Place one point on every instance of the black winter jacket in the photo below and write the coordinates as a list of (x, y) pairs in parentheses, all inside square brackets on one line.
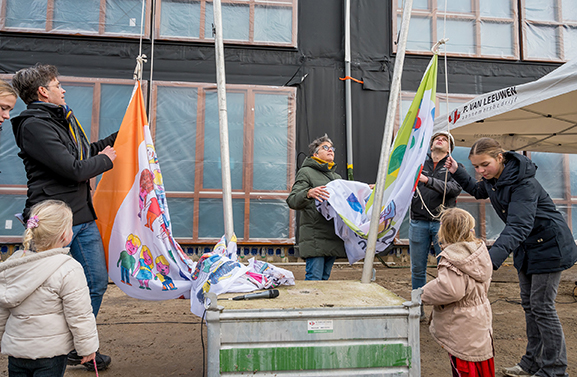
[(50, 158), (433, 191), (534, 230)]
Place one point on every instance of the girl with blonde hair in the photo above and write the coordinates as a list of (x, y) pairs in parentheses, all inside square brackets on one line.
[(145, 266), (45, 294), (8, 97), (540, 240), (461, 319)]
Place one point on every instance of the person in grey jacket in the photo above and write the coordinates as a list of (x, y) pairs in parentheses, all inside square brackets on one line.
[(45, 309), (540, 240), (318, 243)]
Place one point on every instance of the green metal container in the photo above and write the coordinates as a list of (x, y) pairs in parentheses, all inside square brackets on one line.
[(327, 328)]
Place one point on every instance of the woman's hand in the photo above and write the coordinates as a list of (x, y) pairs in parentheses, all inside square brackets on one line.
[(319, 193), (451, 164), (109, 152), (88, 358)]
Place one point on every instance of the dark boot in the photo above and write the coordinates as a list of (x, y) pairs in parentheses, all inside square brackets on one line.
[(102, 362), (73, 358)]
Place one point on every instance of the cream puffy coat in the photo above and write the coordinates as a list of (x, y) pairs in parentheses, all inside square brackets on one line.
[(45, 308), (462, 319)]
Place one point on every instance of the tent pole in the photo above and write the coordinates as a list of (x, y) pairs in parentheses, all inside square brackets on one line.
[(223, 122), (386, 146), (348, 100)]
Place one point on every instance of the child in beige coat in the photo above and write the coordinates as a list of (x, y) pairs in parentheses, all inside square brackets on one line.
[(462, 319), (45, 309)]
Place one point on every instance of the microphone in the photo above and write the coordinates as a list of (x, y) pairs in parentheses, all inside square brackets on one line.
[(271, 293)]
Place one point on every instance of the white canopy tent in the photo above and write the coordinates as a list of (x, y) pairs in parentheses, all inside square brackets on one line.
[(537, 116)]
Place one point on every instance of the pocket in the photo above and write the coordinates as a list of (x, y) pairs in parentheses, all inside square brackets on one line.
[(542, 250)]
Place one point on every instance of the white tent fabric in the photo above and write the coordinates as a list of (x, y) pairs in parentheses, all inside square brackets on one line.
[(537, 116)]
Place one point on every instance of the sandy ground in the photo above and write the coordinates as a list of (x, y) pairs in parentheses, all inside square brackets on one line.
[(148, 338)]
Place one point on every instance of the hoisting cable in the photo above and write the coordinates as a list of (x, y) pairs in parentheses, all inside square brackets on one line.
[(141, 58), (435, 50)]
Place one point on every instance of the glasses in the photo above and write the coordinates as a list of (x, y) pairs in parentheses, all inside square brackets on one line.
[(58, 86), (327, 148)]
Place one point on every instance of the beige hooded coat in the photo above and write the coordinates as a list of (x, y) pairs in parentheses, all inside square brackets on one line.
[(45, 306), (462, 319)]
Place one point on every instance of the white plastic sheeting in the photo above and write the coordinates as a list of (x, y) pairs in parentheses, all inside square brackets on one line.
[(263, 23), (490, 28)]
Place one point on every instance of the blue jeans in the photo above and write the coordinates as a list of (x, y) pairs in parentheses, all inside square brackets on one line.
[(125, 275), (319, 268), (421, 234), (546, 354), (86, 247), (49, 367)]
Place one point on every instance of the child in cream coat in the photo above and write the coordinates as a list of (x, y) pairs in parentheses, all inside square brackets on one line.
[(45, 309)]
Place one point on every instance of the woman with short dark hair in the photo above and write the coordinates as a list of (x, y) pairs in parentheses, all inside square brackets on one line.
[(318, 243)]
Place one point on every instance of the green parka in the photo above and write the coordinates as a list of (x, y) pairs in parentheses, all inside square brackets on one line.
[(317, 236)]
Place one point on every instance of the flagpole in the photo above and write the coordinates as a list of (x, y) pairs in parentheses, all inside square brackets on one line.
[(348, 100), (386, 145), (223, 123)]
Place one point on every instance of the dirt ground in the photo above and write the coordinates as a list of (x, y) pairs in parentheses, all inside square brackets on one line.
[(146, 338)]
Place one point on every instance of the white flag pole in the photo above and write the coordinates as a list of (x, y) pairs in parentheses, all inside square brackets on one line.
[(348, 95), (386, 146), (223, 123)]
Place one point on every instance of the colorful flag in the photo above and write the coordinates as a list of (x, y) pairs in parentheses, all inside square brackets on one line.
[(351, 203), (143, 258), (220, 272)]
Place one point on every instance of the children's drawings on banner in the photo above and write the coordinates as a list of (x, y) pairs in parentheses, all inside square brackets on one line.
[(219, 272)]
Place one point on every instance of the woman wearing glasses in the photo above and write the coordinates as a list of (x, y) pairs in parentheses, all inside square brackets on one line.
[(318, 243)]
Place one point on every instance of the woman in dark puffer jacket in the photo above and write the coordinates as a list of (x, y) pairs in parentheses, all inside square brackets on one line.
[(541, 242)]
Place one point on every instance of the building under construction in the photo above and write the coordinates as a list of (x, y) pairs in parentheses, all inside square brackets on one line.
[(286, 85)]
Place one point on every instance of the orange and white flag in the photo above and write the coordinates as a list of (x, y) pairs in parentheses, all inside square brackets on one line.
[(143, 258)]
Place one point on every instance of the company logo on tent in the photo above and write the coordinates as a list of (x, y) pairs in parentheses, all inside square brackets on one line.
[(454, 116)]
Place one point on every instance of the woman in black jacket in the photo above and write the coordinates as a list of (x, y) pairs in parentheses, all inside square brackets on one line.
[(541, 243)]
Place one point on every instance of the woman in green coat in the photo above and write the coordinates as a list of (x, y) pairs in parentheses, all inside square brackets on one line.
[(318, 243)]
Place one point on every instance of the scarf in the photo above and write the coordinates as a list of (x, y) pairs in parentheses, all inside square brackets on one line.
[(321, 161), (78, 134)]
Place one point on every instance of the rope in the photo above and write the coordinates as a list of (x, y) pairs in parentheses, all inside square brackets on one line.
[(435, 50), (152, 45), (422, 201), (141, 27), (444, 42), (141, 58), (151, 63)]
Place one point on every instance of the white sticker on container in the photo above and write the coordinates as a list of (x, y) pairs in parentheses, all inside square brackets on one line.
[(8, 224), (132, 22), (319, 326)]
